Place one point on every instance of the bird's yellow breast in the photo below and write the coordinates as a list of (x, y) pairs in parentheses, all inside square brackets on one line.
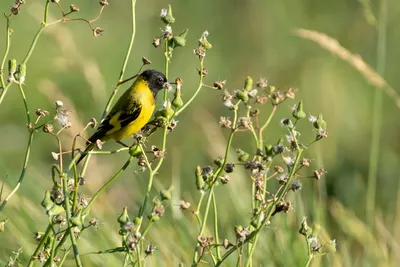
[(140, 94)]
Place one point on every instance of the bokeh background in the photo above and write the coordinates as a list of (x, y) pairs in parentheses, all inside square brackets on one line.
[(249, 38)]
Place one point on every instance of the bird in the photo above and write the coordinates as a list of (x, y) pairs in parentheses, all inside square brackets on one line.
[(131, 112)]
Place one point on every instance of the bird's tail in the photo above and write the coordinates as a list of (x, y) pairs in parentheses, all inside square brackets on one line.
[(83, 155)]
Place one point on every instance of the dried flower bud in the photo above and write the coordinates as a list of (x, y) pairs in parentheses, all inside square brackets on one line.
[(225, 122), (97, 31), (93, 122), (200, 52), (3, 225), (262, 83), (279, 169), (104, 3), (296, 185), (54, 155), (290, 93), (145, 61), (149, 250), (99, 144), (73, 8), (156, 42), (15, 9), (227, 244), (225, 179), (254, 112), (48, 128), (229, 167), (219, 84), (184, 205), (319, 173), (41, 112), (158, 212)]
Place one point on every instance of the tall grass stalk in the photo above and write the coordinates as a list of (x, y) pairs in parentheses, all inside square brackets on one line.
[(377, 115)]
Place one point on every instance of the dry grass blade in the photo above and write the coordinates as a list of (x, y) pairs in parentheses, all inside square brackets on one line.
[(354, 60), (354, 228)]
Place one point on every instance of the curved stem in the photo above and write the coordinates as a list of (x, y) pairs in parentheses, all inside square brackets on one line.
[(38, 33), (6, 50), (125, 63), (196, 92), (68, 217), (27, 153)]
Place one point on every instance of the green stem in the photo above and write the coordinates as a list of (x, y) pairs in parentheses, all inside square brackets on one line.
[(197, 91), (271, 210), (38, 33), (7, 49), (275, 107), (27, 154), (106, 185), (197, 211), (377, 116), (203, 226), (125, 63), (68, 217), (149, 185), (310, 258), (40, 245), (214, 178), (216, 233)]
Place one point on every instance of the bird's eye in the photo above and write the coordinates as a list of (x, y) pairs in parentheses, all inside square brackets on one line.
[(160, 80)]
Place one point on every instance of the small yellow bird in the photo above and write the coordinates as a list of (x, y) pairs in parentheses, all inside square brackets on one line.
[(132, 110)]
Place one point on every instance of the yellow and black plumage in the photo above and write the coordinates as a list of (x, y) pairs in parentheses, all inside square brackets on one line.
[(132, 110)]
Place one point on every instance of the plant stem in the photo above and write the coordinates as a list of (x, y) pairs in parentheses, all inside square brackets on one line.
[(196, 92), (27, 153), (6, 50), (260, 133), (40, 245), (271, 210), (108, 183), (68, 218), (216, 234), (377, 116), (203, 226), (125, 63)]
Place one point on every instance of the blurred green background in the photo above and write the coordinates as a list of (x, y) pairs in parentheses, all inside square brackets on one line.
[(249, 38)]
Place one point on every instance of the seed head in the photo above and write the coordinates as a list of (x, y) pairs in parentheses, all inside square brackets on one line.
[(97, 31), (219, 84), (184, 205), (73, 8)]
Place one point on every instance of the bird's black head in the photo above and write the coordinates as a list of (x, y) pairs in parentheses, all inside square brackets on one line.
[(155, 79)]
